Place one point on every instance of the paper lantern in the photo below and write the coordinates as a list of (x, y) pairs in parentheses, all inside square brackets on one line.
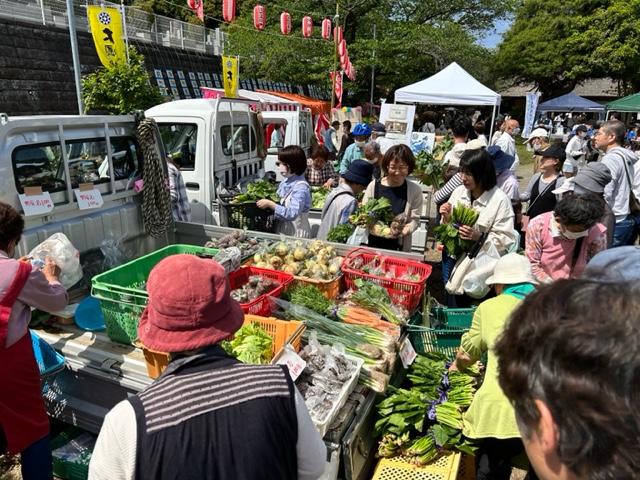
[(342, 46), (259, 17), (337, 35), (192, 4), (326, 28), (228, 10), (285, 23), (307, 26)]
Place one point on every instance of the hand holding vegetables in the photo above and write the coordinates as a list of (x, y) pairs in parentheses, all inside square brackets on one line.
[(256, 191), (456, 233), (264, 203), (375, 210)]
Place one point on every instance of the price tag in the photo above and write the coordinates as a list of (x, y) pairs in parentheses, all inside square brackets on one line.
[(35, 203), (88, 199), (294, 363), (407, 353)]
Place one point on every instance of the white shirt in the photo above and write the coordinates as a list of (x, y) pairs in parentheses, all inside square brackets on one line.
[(576, 148), (508, 145), (453, 155), (277, 139), (114, 456), (385, 144), (496, 215)]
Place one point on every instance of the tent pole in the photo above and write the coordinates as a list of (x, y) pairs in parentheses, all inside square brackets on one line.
[(493, 122)]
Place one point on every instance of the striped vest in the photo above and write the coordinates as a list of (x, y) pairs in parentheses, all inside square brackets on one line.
[(212, 417)]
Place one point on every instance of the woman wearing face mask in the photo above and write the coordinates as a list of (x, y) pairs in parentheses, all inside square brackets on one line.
[(559, 244), (405, 197), (361, 133), (539, 140), (292, 212)]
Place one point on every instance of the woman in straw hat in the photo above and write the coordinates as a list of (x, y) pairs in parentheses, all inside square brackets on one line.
[(491, 417)]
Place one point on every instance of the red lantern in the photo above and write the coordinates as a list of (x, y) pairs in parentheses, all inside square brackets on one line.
[(326, 28), (228, 10), (337, 35), (192, 4), (285, 23), (307, 26), (342, 46), (259, 17)]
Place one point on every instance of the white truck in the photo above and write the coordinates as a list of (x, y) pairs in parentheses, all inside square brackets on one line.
[(56, 154)]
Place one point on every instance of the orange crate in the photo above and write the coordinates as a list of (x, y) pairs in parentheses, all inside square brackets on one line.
[(404, 292), (282, 332), (331, 289), (261, 305)]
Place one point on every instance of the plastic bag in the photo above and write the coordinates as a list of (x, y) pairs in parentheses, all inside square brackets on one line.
[(358, 237), (470, 275), (230, 258), (59, 249)]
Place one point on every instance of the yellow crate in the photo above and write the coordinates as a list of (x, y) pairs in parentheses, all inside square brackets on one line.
[(467, 468), (444, 467)]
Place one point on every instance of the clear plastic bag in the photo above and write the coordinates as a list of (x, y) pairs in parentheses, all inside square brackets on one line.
[(59, 249)]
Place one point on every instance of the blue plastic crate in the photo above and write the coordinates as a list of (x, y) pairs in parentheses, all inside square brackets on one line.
[(49, 361)]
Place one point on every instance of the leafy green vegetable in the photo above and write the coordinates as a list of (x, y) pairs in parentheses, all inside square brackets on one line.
[(257, 191), (430, 167), (318, 196), (448, 233), (375, 210), (310, 297), (376, 298), (340, 233), (252, 344)]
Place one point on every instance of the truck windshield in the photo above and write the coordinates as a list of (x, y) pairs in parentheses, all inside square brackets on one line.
[(42, 165), (179, 140)]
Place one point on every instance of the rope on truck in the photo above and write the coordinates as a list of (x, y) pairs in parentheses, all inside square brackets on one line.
[(156, 200)]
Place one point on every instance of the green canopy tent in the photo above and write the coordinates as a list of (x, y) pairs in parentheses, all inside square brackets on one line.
[(630, 103)]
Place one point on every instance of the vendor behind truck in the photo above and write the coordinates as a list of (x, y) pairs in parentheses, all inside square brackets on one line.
[(208, 416), (24, 425)]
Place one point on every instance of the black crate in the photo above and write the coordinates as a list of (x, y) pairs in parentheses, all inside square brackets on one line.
[(246, 215)]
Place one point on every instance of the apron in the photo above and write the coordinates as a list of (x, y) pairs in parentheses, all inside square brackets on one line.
[(23, 415), (298, 227)]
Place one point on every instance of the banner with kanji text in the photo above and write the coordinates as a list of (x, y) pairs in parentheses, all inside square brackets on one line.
[(107, 32), (230, 75)]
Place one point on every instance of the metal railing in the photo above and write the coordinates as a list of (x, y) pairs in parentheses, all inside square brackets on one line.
[(140, 25)]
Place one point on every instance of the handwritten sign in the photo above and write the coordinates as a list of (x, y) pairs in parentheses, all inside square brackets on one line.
[(88, 199), (36, 204), (294, 363), (407, 353)]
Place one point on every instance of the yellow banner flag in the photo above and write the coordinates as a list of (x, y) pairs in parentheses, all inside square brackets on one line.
[(106, 28), (230, 75)]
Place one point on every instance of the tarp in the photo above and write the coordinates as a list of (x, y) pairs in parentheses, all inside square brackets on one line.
[(625, 104), (451, 86), (570, 103), (318, 107)]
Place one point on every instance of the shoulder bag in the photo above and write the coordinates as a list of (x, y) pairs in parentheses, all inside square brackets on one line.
[(525, 217)]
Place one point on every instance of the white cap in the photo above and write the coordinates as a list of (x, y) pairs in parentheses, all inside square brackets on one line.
[(537, 133), (512, 269), (567, 186)]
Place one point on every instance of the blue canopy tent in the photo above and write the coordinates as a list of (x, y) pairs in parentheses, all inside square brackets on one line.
[(572, 103)]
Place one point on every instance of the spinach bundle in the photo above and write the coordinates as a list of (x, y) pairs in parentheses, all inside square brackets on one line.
[(375, 210), (340, 233), (257, 191), (448, 233)]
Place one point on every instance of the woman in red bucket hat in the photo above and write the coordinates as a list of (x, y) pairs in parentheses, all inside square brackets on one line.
[(208, 416)]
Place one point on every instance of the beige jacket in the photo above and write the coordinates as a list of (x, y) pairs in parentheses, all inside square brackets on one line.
[(415, 200)]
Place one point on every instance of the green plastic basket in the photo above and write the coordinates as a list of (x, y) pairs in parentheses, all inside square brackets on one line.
[(122, 294), (445, 333), (64, 468)]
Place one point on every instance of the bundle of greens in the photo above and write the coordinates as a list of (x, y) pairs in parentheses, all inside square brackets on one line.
[(257, 191), (252, 344), (318, 196), (340, 233), (420, 422), (311, 297), (448, 233), (376, 298), (374, 210), (430, 166)]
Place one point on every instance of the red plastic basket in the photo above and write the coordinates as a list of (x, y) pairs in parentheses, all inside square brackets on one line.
[(404, 292), (261, 305)]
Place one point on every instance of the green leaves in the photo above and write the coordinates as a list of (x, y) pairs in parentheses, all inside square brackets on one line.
[(120, 88), (448, 233)]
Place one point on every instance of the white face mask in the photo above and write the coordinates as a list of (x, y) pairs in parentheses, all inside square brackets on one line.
[(360, 144), (574, 235), (284, 170)]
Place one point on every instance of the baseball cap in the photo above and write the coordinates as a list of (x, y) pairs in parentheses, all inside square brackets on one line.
[(537, 133), (553, 151)]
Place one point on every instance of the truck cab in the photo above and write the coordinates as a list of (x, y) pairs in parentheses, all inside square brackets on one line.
[(215, 142), (298, 130)]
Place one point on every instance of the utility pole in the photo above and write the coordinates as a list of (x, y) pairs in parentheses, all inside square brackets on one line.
[(74, 53), (336, 21), (373, 70)]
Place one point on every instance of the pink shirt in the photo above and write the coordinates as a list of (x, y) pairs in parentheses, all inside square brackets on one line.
[(37, 292), (551, 254)]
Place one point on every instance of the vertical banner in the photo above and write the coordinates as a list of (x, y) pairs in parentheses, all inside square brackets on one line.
[(108, 37), (530, 113), (230, 74), (337, 85)]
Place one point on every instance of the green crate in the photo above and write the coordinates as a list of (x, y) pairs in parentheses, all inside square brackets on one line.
[(121, 290), (63, 468), (445, 334)]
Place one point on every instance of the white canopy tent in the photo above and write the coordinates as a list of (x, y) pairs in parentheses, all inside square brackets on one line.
[(450, 86)]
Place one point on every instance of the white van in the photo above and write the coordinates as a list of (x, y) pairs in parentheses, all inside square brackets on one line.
[(298, 130)]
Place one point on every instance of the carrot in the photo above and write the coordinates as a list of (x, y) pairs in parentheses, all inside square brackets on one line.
[(360, 316)]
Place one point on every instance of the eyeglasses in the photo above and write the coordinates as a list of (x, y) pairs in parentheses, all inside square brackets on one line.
[(399, 168), (277, 164)]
